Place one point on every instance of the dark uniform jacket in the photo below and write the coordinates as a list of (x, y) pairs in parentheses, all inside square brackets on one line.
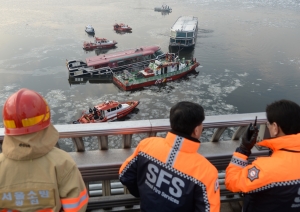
[(270, 184), (169, 175)]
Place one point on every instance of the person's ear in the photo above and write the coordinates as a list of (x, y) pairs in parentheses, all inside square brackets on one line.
[(276, 129), (194, 133), (197, 131)]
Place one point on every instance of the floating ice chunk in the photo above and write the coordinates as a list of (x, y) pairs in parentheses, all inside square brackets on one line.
[(10, 87), (243, 74)]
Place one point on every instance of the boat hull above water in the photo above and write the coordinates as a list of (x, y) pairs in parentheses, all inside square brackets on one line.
[(122, 28), (157, 72), (107, 111), (100, 43)]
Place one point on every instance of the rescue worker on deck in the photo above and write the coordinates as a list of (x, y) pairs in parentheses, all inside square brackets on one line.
[(34, 174), (270, 184), (168, 174)]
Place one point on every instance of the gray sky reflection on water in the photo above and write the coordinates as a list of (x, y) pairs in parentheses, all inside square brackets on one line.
[(248, 50)]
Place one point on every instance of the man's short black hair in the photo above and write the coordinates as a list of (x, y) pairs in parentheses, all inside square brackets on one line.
[(185, 116), (286, 114)]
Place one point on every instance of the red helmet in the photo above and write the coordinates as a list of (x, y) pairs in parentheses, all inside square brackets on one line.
[(25, 112)]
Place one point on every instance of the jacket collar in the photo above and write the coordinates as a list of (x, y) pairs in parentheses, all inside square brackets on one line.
[(289, 142), (30, 146), (185, 142)]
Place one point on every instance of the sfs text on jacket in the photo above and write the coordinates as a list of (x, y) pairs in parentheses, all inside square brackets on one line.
[(168, 174), (270, 184)]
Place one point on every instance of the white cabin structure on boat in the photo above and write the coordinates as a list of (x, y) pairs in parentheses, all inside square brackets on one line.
[(184, 32)]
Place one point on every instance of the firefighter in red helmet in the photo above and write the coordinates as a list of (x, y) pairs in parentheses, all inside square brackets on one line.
[(34, 174)]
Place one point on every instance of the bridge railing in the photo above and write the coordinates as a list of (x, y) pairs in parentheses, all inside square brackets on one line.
[(100, 167)]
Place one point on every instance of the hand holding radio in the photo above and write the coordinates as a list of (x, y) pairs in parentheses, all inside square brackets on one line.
[(249, 138)]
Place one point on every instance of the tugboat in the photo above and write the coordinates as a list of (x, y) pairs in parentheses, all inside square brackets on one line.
[(122, 28), (107, 111), (99, 44), (89, 29), (159, 71)]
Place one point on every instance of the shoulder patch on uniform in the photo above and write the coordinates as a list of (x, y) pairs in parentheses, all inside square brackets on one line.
[(217, 185), (253, 173)]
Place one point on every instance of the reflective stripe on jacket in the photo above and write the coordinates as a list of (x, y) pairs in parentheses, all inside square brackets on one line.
[(75, 204), (170, 175), (270, 184)]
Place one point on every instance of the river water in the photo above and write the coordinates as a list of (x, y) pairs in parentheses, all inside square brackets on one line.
[(249, 52)]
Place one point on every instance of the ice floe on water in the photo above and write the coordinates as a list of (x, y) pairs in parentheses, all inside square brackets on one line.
[(5, 92), (209, 90), (243, 74)]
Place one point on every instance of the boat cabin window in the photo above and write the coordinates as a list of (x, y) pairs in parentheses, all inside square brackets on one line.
[(76, 64), (181, 34), (113, 109), (190, 34), (120, 106)]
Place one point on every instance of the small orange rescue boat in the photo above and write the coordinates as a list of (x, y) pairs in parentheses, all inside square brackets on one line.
[(107, 111)]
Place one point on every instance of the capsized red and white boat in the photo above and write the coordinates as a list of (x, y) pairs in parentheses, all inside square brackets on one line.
[(107, 111), (99, 44), (122, 27)]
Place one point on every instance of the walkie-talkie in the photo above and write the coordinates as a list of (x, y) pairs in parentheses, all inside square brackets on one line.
[(251, 129)]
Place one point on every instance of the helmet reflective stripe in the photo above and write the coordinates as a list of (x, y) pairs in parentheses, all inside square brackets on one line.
[(35, 120), (27, 122), (9, 123)]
